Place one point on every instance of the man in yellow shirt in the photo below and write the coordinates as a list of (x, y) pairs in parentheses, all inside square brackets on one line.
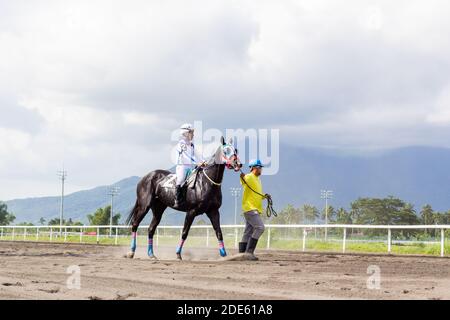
[(252, 207)]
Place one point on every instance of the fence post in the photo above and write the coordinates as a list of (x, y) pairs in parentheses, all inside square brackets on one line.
[(117, 236), (81, 234), (1, 235), (207, 237), (304, 239), (24, 234), (344, 240), (268, 238), (442, 242), (65, 234), (235, 237), (51, 234), (98, 235), (37, 233), (389, 240), (157, 236)]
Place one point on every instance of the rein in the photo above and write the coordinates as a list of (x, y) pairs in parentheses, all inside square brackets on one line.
[(269, 209), (211, 180), (227, 162)]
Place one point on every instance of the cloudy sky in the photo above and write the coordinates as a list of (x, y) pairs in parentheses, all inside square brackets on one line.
[(101, 85)]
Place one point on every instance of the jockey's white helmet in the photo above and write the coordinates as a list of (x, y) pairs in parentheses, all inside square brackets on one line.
[(185, 128)]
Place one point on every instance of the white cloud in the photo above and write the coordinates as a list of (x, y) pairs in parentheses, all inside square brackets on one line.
[(440, 114), (85, 81), (139, 118)]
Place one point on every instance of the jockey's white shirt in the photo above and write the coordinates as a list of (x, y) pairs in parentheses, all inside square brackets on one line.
[(186, 153), (186, 159)]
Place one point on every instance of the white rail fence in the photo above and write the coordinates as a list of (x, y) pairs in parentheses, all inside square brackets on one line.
[(58, 234)]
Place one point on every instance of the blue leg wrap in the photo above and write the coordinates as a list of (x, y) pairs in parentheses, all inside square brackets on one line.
[(133, 244), (150, 250)]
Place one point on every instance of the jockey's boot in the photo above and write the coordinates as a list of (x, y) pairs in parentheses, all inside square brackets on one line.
[(179, 201), (242, 247), (249, 252)]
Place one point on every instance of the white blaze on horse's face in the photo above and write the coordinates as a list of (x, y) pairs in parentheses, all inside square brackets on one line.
[(230, 157), (228, 151)]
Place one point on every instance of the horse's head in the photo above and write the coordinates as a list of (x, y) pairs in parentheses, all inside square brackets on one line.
[(229, 155)]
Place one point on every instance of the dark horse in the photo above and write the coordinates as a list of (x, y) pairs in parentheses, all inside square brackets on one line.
[(156, 191)]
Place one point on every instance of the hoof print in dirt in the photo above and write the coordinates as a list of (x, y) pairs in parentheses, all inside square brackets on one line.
[(55, 290), (125, 296), (17, 284)]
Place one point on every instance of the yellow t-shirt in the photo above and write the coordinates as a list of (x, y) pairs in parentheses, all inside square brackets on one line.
[(251, 200)]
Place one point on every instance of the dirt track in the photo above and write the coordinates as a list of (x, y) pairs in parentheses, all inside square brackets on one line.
[(38, 271)]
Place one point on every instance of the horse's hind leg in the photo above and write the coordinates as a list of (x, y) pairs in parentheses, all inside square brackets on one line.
[(158, 210), (139, 214)]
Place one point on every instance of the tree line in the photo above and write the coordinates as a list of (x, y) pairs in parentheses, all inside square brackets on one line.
[(101, 216), (370, 211)]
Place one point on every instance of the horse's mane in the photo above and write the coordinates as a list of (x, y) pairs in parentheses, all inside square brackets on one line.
[(213, 157)]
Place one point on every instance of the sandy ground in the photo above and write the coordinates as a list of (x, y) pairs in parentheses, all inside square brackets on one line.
[(39, 271)]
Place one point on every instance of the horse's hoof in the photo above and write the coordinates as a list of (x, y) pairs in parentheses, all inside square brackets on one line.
[(152, 257), (179, 256), (130, 255)]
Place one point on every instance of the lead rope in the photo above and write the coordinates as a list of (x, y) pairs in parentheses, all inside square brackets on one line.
[(269, 209)]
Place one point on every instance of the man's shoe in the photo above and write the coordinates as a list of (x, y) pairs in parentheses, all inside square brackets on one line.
[(249, 252), (242, 247), (249, 257), (251, 245)]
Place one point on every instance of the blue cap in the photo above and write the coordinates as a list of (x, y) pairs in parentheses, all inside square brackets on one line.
[(255, 163)]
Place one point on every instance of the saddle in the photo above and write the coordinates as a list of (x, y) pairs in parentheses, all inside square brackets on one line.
[(171, 180)]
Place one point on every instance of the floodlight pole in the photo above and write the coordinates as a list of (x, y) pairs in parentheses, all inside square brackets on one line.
[(63, 176), (235, 192), (326, 194), (113, 191)]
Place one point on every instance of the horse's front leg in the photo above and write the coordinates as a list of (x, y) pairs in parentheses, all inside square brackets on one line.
[(190, 215), (214, 216)]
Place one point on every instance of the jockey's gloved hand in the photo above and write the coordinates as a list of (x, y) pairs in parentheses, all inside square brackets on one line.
[(201, 164), (268, 196)]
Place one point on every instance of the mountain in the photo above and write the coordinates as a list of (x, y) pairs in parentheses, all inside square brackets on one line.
[(418, 175), (76, 205)]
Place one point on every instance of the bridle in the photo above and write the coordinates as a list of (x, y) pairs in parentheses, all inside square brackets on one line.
[(228, 161)]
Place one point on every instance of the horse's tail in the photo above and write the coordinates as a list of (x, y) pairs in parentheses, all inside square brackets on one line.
[(132, 213)]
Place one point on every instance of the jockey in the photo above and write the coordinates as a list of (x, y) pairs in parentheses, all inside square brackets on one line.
[(186, 159)]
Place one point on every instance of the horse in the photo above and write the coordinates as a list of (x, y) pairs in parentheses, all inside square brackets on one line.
[(156, 191)]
